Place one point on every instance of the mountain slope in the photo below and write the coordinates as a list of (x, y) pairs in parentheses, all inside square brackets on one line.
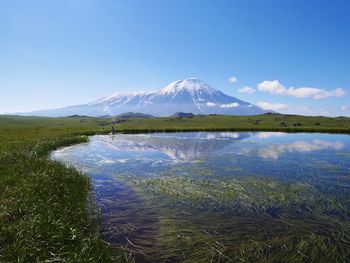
[(188, 95)]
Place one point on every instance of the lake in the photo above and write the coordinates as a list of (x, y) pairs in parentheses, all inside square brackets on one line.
[(221, 196)]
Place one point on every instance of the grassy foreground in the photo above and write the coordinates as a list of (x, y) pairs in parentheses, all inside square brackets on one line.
[(46, 211)]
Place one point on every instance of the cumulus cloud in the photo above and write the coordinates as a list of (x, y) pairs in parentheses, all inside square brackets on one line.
[(246, 89), (274, 151), (275, 87), (232, 79), (210, 104), (265, 135), (344, 108), (229, 105), (272, 106)]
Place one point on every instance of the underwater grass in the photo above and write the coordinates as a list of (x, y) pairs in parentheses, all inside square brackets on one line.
[(263, 239), (245, 219), (244, 195)]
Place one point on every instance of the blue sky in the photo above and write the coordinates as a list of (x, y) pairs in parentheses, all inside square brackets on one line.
[(66, 52)]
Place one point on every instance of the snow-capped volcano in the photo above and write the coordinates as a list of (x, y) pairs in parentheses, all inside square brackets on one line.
[(187, 95)]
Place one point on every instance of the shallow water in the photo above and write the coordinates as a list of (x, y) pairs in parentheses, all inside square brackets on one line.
[(220, 196)]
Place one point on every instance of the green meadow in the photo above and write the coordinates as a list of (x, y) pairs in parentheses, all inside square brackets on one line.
[(266, 122), (48, 213)]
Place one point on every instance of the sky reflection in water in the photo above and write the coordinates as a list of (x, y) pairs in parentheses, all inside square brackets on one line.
[(141, 153)]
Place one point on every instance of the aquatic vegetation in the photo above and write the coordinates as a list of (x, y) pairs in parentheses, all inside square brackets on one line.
[(254, 219), (243, 195), (250, 239)]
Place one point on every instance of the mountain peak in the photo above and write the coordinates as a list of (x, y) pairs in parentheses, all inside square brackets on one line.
[(188, 84)]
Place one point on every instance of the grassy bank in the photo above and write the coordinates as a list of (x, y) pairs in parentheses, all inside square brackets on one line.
[(266, 122), (46, 213)]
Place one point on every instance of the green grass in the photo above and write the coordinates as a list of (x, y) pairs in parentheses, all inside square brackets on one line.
[(266, 122), (47, 213), (46, 210)]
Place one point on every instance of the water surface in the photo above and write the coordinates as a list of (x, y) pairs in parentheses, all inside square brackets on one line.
[(221, 196)]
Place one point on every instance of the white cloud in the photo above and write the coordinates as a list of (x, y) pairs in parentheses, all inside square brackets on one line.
[(344, 108), (265, 135), (230, 105), (246, 89), (232, 79), (275, 87), (231, 135), (272, 106), (210, 104), (274, 151)]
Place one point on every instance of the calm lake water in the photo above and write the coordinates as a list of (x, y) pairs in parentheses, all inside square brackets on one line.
[(221, 196)]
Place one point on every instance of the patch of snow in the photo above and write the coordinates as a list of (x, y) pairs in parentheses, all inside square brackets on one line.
[(192, 85)]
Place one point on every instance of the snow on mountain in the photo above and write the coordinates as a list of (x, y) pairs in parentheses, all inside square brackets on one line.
[(187, 95), (191, 85)]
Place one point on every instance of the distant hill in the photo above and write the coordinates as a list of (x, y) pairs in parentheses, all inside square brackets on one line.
[(77, 116), (128, 115), (182, 114)]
